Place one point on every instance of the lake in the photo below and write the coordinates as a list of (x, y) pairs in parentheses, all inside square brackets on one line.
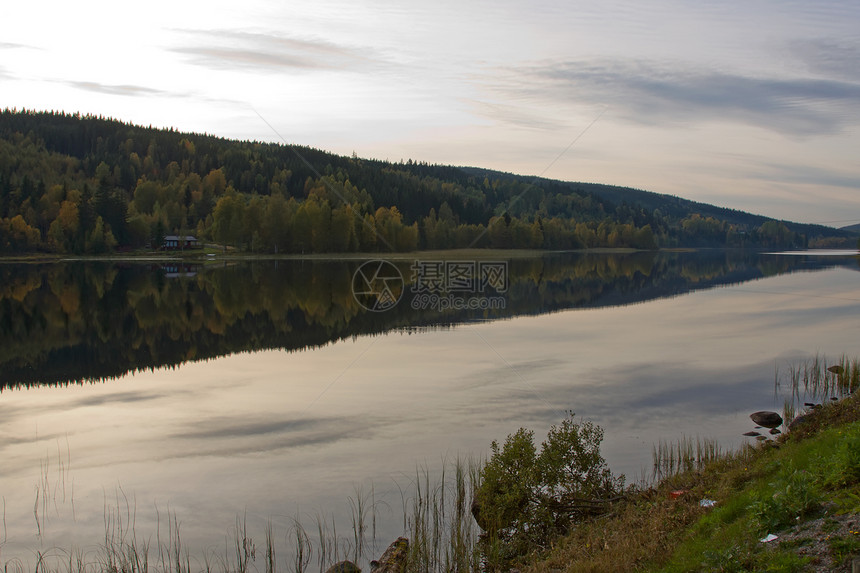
[(196, 393)]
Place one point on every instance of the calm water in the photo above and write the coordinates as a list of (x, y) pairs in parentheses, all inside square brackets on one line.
[(267, 390)]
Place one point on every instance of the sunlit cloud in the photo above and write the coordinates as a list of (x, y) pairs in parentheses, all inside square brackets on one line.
[(121, 90), (233, 49), (12, 46)]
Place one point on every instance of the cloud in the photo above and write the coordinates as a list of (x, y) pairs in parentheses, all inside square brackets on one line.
[(227, 436), (238, 428), (118, 398), (661, 391), (232, 49), (5, 75), (109, 89), (659, 93), (834, 58), (12, 46), (797, 173), (512, 115), (36, 438)]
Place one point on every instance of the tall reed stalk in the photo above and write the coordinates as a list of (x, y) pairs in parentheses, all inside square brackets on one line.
[(443, 536), (683, 455), (818, 379)]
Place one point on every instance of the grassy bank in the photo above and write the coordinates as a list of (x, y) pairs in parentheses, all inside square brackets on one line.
[(803, 488)]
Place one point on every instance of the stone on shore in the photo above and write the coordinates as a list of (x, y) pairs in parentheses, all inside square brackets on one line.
[(766, 419), (344, 567), (798, 421), (394, 558)]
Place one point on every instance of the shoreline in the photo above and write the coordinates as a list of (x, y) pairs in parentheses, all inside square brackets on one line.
[(219, 255)]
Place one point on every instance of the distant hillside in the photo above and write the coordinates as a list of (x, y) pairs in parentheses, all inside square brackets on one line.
[(71, 183), (852, 229), (679, 207)]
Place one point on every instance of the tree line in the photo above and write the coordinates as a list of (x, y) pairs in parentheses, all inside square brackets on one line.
[(86, 184)]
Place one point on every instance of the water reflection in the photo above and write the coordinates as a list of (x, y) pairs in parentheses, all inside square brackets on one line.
[(66, 323), (290, 428)]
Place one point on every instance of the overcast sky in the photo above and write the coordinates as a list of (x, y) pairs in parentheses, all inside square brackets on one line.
[(753, 105)]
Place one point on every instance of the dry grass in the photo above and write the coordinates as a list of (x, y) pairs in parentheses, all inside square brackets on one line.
[(625, 540)]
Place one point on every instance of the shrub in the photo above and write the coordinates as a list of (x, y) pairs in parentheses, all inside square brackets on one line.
[(526, 497)]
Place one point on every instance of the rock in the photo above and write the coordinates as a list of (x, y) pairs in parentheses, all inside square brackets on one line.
[(775, 431), (752, 434), (798, 421), (837, 369), (344, 567), (394, 558), (478, 515), (766, 419)]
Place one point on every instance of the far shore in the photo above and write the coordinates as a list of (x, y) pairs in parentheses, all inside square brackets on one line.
[(219, 253), (230, 254)]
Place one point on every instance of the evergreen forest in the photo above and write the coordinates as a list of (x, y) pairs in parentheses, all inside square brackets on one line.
[(88, 185)]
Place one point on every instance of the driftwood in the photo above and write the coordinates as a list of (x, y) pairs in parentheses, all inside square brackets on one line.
[(580, 505), (566, 505)]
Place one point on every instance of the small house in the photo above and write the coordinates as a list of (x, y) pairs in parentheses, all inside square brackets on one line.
[(175, 242)]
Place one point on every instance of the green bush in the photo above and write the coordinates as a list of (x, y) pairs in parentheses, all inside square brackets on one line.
[(526, 497)]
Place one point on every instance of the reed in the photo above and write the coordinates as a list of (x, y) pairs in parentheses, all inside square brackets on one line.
[(683, 455), (789, 411), (303, 548), (818, 379), (443, 536), (363, 506), (122, 550), (271, 559), (245, 550), (51, 487)]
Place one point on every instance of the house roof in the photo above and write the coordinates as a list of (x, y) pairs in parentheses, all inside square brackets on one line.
[(176, 238)]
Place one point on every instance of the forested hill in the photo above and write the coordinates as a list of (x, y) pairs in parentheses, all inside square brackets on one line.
[(83, 184)]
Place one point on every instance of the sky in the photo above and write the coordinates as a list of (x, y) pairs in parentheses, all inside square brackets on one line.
[(748, 105)]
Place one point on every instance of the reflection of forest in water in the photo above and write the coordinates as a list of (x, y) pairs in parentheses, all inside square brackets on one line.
[(67, 322)]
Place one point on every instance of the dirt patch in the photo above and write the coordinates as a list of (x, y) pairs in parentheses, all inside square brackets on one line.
[(832, 541)]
